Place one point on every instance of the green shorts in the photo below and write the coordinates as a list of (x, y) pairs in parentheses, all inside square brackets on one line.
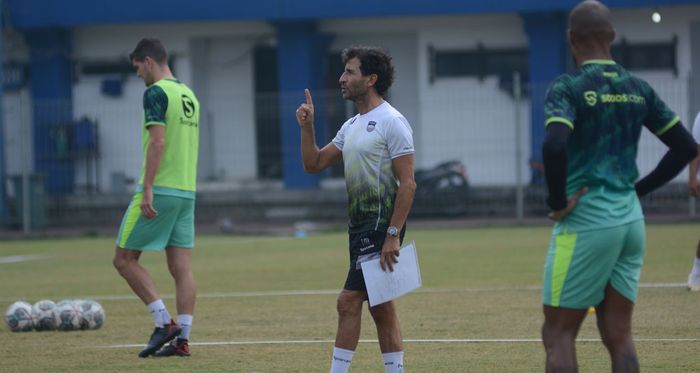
[(174, 225), (580, 265)]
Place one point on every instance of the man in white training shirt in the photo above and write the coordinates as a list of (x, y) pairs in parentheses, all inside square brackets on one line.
[(376, 147), (694, 189)]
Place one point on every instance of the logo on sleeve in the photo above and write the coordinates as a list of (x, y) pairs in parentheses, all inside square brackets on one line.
[(591, 97), (371, 125)]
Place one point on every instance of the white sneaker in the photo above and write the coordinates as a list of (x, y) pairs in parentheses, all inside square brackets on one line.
[(694, 282)]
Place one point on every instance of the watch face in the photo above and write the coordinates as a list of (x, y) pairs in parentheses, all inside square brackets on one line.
[(392, 231)]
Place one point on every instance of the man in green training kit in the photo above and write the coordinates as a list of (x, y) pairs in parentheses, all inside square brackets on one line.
[(161, 214), (594, 118)]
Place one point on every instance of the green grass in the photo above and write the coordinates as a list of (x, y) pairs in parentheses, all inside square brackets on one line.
[(490, 273)]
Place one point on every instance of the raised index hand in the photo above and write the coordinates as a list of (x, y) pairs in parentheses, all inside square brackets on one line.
[(305, 112)]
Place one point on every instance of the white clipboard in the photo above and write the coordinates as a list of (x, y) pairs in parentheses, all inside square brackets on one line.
[(385, 286)]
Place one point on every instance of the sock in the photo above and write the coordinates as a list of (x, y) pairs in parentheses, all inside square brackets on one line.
[(341, 360), (393, 362), (185, 322), (696, 267), (159, 313)]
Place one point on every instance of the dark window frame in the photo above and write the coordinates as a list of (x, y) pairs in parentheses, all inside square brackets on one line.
[(647, 55), (481, 63), (15, 75), (121, 66)]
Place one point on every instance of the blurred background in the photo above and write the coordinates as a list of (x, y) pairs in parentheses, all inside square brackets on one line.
[(470, 78)]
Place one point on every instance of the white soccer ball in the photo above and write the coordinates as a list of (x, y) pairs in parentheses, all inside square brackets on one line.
[(45, 315), (19, 317), (64, 301), (68, 315), (92, 315)]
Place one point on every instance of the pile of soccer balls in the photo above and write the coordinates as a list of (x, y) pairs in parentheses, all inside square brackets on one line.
[(47, 315)]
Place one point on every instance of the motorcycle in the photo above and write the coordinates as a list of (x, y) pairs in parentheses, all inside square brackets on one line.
[(442, 190)]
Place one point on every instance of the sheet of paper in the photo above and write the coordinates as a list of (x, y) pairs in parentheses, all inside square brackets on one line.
[(384, 286)]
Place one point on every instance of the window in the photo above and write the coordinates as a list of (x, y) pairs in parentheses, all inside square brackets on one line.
[(647, 56), (480, 63), (113, 67), (15, 76)]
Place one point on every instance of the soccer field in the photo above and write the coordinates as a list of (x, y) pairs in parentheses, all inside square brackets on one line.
[(268, 305)]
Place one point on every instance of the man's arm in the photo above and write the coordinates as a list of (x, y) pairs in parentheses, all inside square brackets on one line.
[(555, 161), (403, 171), (682, 149), (693, 186), (314, 160), (154, 153)]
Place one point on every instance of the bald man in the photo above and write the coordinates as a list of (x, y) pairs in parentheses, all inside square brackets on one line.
[(594, 117)]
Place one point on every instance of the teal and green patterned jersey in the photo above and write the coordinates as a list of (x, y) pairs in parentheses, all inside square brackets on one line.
[(606, 107), (369, 142), (170, 103)]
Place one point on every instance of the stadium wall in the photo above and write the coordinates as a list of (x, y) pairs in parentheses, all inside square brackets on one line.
[(446, 114)]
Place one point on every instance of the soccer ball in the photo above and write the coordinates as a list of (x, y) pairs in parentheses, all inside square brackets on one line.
[(44, 315), (19, 317), (64, 301), (68, 315), (92, 315)]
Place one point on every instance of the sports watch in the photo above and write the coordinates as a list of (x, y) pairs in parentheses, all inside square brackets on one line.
[(392, 231)]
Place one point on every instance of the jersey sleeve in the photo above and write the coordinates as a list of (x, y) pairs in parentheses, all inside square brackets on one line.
[(339, 139), (155, 104), (696, 129), (659, 117), (399, 137), (559, 104)]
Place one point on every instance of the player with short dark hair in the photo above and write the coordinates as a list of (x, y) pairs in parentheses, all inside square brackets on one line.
[(152, 48), (594, 118), (376, 147), (161, 214)]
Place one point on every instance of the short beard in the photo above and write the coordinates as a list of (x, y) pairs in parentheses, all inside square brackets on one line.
[(354, 96), (350, 97)]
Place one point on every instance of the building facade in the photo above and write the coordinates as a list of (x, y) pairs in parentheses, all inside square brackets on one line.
[(72, 103)]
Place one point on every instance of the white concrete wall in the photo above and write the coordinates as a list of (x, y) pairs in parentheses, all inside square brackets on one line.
[(473, 120), (457, 118), (119, 123), (17, 132), (635, 26), (16, 112), (468, 119), (230, 110)]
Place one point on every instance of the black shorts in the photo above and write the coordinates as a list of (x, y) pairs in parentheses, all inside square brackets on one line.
[(364, 246)]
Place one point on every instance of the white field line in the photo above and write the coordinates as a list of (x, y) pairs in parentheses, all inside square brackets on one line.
[(21, 258), (455, 341), (277, 293)]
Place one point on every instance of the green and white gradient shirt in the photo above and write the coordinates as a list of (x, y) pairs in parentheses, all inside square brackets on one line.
[(369, 142)]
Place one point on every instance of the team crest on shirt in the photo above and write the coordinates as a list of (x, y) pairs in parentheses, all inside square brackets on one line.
[(371, 125)]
